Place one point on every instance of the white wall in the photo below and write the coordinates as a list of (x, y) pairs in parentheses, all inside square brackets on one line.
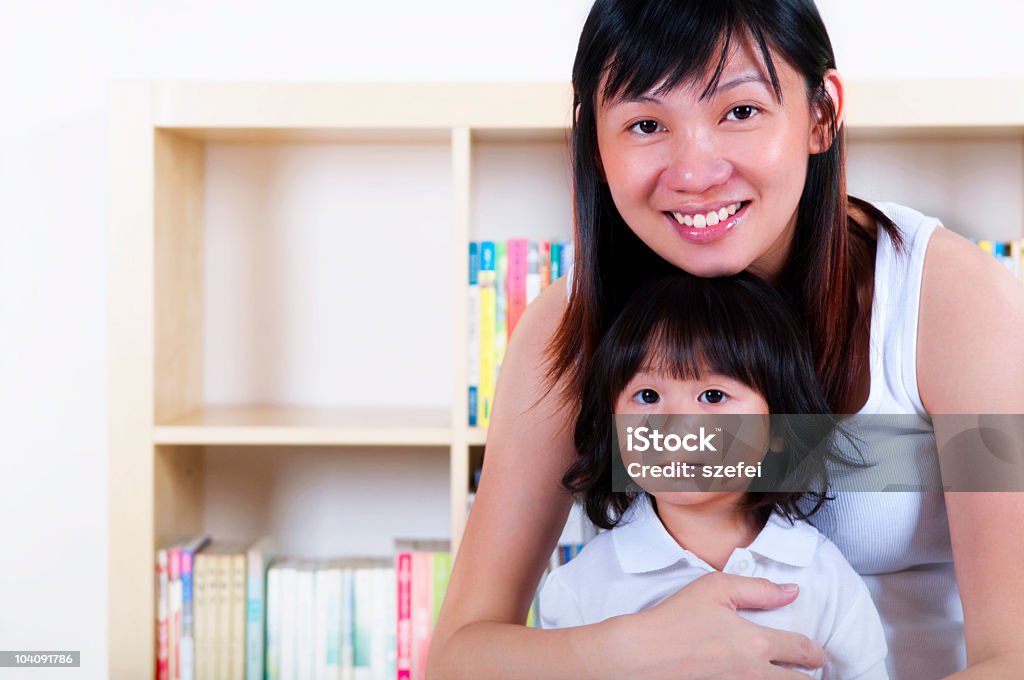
[(55, 58)]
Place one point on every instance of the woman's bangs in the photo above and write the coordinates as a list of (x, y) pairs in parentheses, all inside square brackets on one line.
[(668, 44)]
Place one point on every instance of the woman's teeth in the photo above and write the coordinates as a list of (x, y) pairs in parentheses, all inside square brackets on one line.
[(707, 219)]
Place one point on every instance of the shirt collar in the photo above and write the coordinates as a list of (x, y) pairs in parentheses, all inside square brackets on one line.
[(642, 543)]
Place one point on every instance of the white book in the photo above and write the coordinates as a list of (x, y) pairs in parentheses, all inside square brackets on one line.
[(273, 643), (320, 622), (304, 622), (289, 591), (362, 594), (332, 596), (347, 649), (532, 272)]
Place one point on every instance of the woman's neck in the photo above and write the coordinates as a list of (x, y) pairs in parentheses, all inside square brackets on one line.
[(710, 531)]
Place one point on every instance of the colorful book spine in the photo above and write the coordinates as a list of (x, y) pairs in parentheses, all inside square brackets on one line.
[(161, 615), (187, 653), (403, 571), (259, 555), (442, 568), (544, 263), (422, 611), (501, 310), (556, 260), (517, 273), (488, 303), (474, 334), (174, 613)]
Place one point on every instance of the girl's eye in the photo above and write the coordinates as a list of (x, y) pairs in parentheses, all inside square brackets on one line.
[(713, 397), (646, 127), (742, 112), (647, 396)]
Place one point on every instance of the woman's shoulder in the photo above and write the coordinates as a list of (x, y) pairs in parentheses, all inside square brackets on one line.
[(971, 313)]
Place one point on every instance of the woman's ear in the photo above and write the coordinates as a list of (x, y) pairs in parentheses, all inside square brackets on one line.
[(830, 99)]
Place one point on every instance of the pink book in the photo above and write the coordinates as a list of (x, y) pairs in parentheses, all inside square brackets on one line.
[(517, 249), (161, 615), (422, 610), (174, 613), (403, 639)]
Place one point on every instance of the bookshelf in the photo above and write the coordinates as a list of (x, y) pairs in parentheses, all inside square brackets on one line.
[(185, 439)]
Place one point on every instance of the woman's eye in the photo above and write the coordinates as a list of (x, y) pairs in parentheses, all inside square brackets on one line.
[(742, 112), (647, 396), (713, 397), (646, 127)]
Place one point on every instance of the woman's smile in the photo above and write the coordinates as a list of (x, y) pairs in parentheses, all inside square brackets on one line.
[(703, 226)]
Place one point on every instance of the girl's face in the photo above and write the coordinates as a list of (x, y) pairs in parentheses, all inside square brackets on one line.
[(712, 185), (654, 393)]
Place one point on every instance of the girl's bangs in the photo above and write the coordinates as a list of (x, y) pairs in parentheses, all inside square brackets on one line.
[(691, 346), (662, 45)]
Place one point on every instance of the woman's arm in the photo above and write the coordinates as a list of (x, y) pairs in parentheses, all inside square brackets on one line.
[(517, 517), (970, 341)]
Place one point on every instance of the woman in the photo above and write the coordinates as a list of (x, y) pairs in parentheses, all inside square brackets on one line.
[(708, 138)]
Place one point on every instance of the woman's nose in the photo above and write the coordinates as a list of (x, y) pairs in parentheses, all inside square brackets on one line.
[(695, 165)]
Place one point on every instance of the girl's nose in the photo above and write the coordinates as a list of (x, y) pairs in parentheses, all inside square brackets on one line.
[(695, 166)]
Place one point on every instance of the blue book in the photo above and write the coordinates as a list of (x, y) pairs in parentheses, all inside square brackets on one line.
[(187, 653)]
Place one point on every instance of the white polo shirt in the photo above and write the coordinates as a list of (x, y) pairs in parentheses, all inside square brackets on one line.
[(638, 564)]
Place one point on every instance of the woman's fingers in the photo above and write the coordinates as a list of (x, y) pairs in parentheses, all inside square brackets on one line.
[(744, 592), (793, 649), (778, 646)]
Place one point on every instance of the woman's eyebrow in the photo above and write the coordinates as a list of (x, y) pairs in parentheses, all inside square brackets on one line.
[(742, 79)]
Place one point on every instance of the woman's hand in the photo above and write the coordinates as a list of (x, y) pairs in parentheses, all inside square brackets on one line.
[(696, 633)]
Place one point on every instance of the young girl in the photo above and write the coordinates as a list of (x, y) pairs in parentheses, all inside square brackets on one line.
[(684, 108), (711, 347)]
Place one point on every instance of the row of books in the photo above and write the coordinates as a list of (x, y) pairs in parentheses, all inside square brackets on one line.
[(504, 277), (1007, 252), (228, 612)]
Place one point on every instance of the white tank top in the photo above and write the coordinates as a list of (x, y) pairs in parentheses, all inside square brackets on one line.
[(899, 541)]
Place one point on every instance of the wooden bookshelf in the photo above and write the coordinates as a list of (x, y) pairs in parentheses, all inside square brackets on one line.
[(160, 421)]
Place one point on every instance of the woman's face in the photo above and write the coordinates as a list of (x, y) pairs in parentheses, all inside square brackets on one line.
[(712, 185)]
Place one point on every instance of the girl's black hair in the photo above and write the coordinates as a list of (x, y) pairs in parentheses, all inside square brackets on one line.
[(638, 45), (685, 326)]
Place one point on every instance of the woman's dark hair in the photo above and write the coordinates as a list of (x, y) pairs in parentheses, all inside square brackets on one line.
[(685, 326), (640, 44)]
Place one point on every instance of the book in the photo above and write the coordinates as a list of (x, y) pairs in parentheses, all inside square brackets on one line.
[(161, 614), (174, 612), (488, 306), (474, 334), (258, 558), (517, 272), (403, 570), (274, 603), (236, 647), (187, 644)]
